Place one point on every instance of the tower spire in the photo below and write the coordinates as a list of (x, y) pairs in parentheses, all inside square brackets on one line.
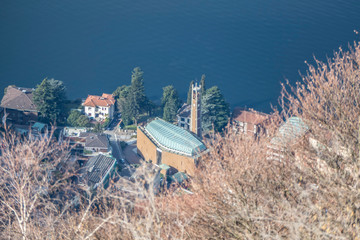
[(195, 122)]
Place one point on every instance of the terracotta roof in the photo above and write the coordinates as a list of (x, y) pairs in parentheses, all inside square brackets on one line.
[(184, 111), (249, 116), (106, 100), (19, 98)]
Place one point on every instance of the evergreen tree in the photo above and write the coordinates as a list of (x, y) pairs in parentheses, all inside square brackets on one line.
[(49, 99), (170, 110), (121, 95), (170, 102), (139, 99), (202, 84), (189, 93), (214, 110)]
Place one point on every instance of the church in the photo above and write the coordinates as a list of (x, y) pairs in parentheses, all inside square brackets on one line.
[(161, 142)]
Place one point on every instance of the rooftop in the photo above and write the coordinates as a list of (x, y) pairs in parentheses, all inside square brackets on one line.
[(174, 138), (106, 100), (38, 126), (97, 168), (95, 140), (184, 111), (249, 116), (73, 131), (293, 128), (19, 98)]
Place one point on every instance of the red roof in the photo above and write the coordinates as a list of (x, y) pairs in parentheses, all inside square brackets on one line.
[(249, 116), (106, 100)]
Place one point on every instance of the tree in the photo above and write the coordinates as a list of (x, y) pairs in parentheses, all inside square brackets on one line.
[(76, 119), (29, 182), (214, 110), (98, 128), (189, 93), (170, 102), (138, 99), (202, 84), (49, 99), (120, 95), (83, 121)]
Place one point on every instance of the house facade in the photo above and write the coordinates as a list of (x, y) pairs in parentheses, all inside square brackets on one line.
[(99, 107), (249, 121), (18, 106), (183, 116)]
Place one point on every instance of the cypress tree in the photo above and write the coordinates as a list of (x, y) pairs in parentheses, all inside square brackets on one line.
[(202, 84), (170, 102)]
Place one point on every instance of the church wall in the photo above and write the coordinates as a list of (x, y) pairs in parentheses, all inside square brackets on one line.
[(180, 162), (146, 148)]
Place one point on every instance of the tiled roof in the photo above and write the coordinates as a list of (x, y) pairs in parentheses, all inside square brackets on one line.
[(19, 98), (174, 138), (249, 116), (95, 140), (97, 169), (106, 100), (184, 111), (293, 128)]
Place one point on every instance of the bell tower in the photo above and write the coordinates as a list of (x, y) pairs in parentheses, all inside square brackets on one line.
[(195, 121)]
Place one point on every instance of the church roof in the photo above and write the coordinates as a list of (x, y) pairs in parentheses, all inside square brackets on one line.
[(174, 138)]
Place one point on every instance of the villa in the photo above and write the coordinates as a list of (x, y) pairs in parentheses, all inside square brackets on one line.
[(99, 107)]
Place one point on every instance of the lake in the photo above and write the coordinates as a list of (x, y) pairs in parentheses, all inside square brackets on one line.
[(246, 47)]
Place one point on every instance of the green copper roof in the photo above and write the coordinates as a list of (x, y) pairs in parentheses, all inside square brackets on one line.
[(174, 138)]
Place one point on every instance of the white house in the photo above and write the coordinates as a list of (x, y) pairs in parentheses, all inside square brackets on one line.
[(100, 107), (183, 116)]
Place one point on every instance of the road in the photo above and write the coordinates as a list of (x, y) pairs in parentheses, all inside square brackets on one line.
[(115, 145)]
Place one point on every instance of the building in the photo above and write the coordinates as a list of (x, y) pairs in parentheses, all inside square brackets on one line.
[(289, 133), (161, 142), (99, 107), (87, 142), (250, 121), (18, 105), (183, 116), (96, 143), (97, 171)]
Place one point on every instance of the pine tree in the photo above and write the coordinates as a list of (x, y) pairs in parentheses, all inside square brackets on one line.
[(49, 99), (202, 84), (214, 110), (189, 93)]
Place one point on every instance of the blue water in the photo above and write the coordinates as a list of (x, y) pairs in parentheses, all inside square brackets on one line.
[(246, 47)]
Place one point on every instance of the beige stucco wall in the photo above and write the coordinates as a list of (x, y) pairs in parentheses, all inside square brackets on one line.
[(180, 162), (146, 148)]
